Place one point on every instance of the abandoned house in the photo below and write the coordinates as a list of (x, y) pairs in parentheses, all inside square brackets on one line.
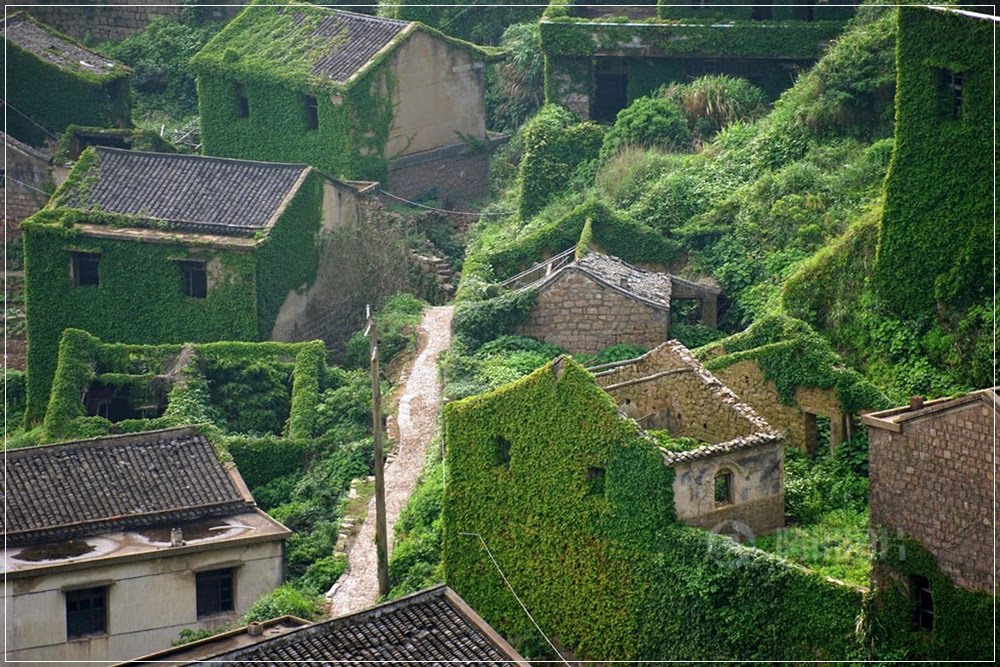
[(932, 467), (599, 300), (119, 543), (54, 81), (355, 95), (153, 248), (598, 59), (734, 474), (430, 626), (794, 380)]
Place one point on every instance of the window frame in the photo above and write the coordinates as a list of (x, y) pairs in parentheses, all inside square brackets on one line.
[(923, 603), (726, 475), (241, 108), (214, 607), (76, 272), (952, 84), (86, 616), (310, 112), (189, 267)]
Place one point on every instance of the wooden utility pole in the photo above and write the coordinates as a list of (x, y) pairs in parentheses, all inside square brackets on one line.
[(381, 544)]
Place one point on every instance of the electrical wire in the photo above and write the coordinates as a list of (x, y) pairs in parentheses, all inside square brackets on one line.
[(443, 210), (30, 119), (30, 187)]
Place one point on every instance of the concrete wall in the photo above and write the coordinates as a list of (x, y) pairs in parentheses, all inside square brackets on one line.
[(796, 422), (934, 481), (439, 95), (149, 603), (577, 313), (115, 19), (757, 484)]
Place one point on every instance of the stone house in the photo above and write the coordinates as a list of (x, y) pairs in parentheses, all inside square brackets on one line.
[(26, 173), (121, 542), (600, 300), (154, 248), (932, 467), (733, 481), (598, 59), (355, 95), (432, 626), (54, 81)]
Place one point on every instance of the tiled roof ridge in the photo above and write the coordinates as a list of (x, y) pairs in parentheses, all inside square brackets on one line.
[(364, 17), (756, 439), (200, 158), (140, 437), (23, 147), (627, 290), (22, 16)]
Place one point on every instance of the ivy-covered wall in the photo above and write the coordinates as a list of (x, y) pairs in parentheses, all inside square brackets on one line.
[(139, 296), (55, 98), (577, 509), (937, 224)]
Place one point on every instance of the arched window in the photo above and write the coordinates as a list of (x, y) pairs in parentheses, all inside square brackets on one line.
[(724, 487)]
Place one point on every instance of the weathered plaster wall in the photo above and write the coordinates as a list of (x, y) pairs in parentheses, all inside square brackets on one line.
[(796, 422), (439, 96), (149, 603), (581, 315), (934, 481), (757, 481)]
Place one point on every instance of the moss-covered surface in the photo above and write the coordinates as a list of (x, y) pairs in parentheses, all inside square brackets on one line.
[(54, 97)]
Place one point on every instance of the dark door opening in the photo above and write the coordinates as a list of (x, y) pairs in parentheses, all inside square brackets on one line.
[(611, 90)]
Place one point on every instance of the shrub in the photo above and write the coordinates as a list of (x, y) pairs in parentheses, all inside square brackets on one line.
[(476, 322), (515, 85), (713, 102), (282, 601), (649, 122), (322, 575)]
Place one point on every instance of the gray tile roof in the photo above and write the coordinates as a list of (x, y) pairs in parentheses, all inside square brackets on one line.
[(58, 50), (646, 285), (191, 192), (433, 626), (353, 40), (88, 487)]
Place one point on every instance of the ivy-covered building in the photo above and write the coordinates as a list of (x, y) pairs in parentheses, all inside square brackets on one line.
[(53, 81), (586, 516), (155, 248), (598, 59), (347, 93)]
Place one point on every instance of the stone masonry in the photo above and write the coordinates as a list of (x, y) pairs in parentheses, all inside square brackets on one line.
[(931, 471), (578, 313), (455, 173), (114, 19)]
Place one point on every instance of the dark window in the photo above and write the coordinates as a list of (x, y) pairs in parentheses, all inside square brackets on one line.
[(242, 103), (501, 451), (953, 85), (723, 487), (312, 113), (83, 268), (194, 279), (761, 11), (611, 88), (86, 612), (804, 12), (923, 609), (595, 481), (214, 591)]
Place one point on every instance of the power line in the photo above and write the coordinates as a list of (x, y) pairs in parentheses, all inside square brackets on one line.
[(442, 210), (516, 597), (30, 187), (30, 119)]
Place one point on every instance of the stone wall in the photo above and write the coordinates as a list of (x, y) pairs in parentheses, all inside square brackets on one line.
[(457, 173), (577, 313), (115, 19), (26, 174), (671, 391), (757, 483), (933, 480), (796, 422)]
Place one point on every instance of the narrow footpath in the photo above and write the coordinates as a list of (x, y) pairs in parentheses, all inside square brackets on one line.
[(416, 419)]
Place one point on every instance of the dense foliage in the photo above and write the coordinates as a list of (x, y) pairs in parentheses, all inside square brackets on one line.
[(651, 122)]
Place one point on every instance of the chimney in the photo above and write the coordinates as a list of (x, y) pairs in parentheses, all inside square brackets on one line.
[(623, 281), (255, 629), (916, 402), (176, 537)]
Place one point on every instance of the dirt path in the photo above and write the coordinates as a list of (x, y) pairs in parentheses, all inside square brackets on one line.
[(417, 421)]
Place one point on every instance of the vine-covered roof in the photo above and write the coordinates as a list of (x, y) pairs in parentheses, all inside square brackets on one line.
[(57, 49), (194, 192)]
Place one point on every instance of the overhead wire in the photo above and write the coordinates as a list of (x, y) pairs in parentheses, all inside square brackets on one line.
[(444, 210)]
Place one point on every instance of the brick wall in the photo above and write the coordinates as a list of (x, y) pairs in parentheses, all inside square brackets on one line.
[(457, 173), (934, 481), (748, 381), (113, 20), (581, 315)]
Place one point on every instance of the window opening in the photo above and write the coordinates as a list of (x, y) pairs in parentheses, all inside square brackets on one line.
[(83, 268), (214, 591), (501, 451), (723, 487), (595, 481), (923, 609), (194, 279), (242, 103), (86, 612), (953, 84), (312, 112)]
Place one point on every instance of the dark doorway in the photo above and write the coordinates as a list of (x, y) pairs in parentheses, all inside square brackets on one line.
[(762, 12), (611, 91)]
